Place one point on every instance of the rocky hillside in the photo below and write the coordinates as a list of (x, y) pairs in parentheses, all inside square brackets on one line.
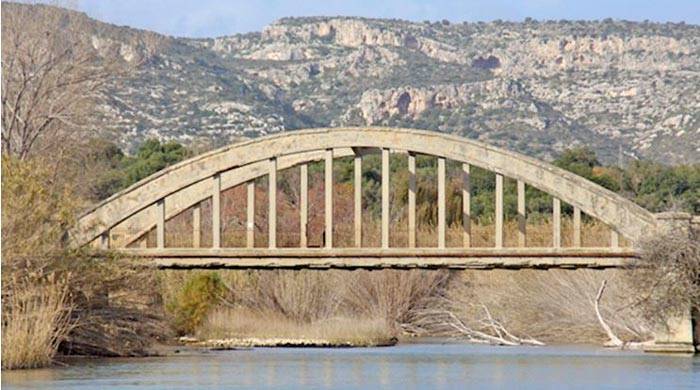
[(534, 87)]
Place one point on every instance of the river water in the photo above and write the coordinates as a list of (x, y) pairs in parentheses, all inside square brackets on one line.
[(406, 366)]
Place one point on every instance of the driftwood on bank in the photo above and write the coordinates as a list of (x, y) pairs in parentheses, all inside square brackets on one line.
[(446, 323), (613, 340)]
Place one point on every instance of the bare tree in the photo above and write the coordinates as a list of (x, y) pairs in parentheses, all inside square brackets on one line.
[(51, 80), (668, 278)]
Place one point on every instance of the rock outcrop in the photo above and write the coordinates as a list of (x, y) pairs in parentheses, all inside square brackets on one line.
[(535, 87)]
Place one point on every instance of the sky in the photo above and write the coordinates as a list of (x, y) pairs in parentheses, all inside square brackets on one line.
[(212, 18)]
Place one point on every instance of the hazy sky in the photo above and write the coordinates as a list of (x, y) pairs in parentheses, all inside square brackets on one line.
[(210, 18)]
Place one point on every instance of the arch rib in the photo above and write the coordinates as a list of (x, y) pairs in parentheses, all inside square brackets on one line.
[(624, 216)]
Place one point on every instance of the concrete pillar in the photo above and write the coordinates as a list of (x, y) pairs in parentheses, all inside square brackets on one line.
[(272, 205), (328, 183), (556, 223), (668, 222), (695, 226), (499, 211), (104, 241), (441, 202), (385, 198), (160, 226), (250, 217), (522, 220), (216, 212), (577, 227), (675, 336), (411, 200), (304, 205), (614, 238), (197, 226), (466, 206), (357, 183)]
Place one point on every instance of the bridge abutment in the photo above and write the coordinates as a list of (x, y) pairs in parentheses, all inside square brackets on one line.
[(676, 335)]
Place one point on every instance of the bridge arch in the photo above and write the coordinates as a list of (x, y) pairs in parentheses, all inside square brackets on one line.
[(180, 186)]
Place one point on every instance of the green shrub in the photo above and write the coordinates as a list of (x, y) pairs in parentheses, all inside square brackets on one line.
[(190, 305)]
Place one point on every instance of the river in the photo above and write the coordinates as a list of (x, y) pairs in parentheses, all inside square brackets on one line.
[(405, 366)]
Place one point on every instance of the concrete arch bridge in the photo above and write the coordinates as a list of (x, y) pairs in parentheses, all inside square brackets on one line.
[(193, 188)]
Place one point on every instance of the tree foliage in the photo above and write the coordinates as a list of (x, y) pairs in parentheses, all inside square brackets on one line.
[(151, 157), (654, 186), (658, 187), (120, 171)]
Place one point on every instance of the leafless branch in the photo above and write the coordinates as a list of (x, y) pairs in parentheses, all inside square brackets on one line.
[(447, 323), (51, 81), (614, 341)]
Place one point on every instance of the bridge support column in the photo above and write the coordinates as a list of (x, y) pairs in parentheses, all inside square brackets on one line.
[(358, 200), (196, 226), (441, 202), (385, 198), (411, 200), (160, 226), (272, 204), (556, 223), (499, 211), (522, 221), (577, 227), (104, 241), (676, 335), (216, 212), (466, 206), (614, 238), (329, 197), (304, 205), (250, 217)]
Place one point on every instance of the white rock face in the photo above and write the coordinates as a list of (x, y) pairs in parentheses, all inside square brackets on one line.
[(344, 32), (533, 87), (377, 105)]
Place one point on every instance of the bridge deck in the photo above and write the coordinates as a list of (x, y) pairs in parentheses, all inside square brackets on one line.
[(460, 258)]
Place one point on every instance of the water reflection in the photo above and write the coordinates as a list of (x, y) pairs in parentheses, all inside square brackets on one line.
[(401, 367)]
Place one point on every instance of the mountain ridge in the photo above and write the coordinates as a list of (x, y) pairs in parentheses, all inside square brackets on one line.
[(533, 87)]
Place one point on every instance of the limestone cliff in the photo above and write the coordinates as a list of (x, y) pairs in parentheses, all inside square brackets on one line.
[(535, 87)]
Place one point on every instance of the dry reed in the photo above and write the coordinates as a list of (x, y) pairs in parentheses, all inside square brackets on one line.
[(35, 318), (244, 323), (359, 307)]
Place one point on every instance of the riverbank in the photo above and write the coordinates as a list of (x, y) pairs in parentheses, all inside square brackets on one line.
[(367, 308), (252, 342), (245, 309)]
